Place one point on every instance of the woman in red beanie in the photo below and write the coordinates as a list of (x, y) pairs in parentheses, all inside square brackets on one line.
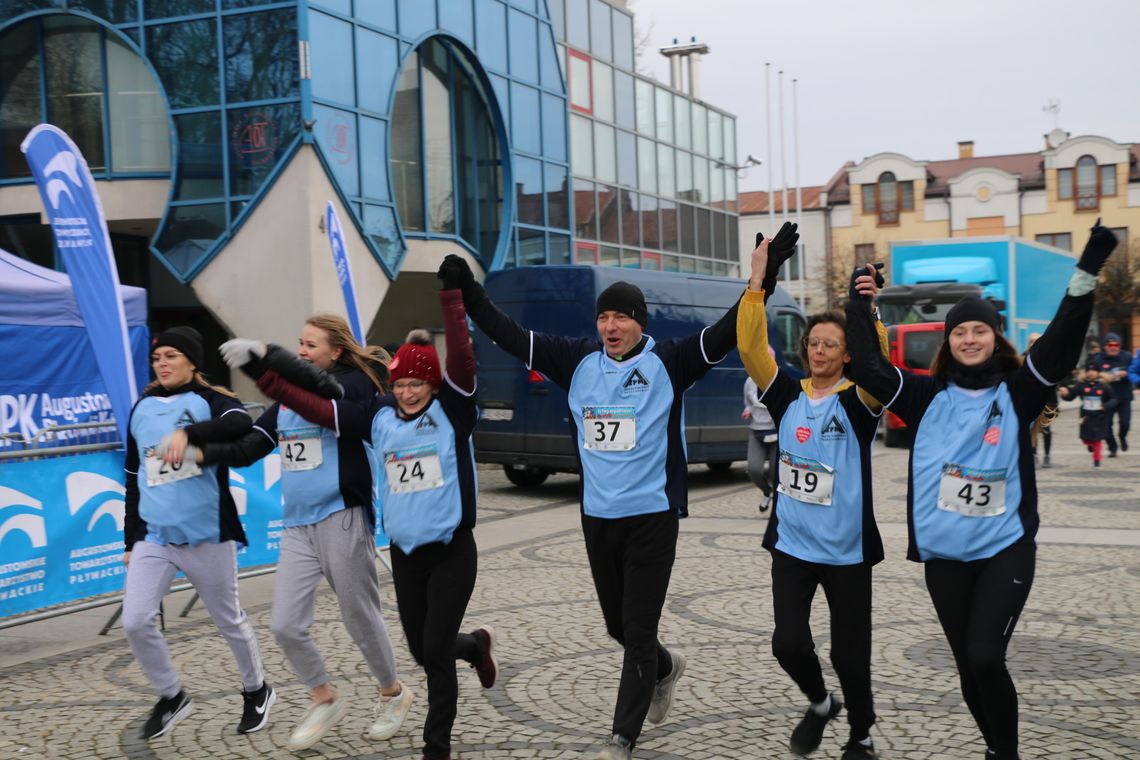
[(421, 443)]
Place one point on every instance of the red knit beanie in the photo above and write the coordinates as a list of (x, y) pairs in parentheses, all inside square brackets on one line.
[(416, 359)]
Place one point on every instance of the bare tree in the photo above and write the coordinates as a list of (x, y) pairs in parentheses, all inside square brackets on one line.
[(1118, 292), (642, 42)]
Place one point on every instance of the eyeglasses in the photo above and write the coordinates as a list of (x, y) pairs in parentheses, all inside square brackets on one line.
[(169, 357), (408, 385), (829, 343)]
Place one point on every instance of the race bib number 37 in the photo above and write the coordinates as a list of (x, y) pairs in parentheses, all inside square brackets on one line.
[(609, 428), (159, 473), (414, 469), (300, 448), (805, 479), (972, 492)]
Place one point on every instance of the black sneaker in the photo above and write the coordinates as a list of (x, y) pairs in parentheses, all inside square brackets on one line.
[(856, 750), (255, 711), (487, 667), (167, 713), (1123, 443), (809, 732), (1112, 454)]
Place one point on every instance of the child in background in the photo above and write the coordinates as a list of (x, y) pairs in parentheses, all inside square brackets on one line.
[(1097, 403)]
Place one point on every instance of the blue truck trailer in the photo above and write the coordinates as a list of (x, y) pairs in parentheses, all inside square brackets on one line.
[(524, 423), (1025, 279)]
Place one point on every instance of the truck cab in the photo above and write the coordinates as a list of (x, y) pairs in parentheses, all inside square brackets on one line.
[(524, 418)]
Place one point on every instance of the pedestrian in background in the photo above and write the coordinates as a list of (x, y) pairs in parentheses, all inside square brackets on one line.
[(1097, 402), (1113, 370), (762, 444)]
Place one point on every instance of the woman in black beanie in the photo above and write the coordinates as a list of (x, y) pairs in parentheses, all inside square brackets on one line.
[(972, 496)]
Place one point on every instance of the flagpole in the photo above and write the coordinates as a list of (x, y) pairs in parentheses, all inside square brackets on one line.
[(799, 189), (768, 134)]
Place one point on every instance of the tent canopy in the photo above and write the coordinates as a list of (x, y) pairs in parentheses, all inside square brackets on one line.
[(33, 295)]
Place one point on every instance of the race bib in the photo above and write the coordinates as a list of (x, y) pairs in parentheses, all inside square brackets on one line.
[(1092, 404), (609, 428), (972, 492), (159, 473), (805, 479), (300, 448), (415, 469)]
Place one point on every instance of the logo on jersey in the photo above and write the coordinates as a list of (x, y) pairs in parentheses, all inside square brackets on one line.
[(185, 419), (995, 412), (635, 382), (833, 430), (426, 423), (992, 435), (802, 434)]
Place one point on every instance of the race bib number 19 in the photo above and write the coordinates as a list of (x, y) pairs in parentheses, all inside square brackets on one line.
[(414, 469), (972, 492), (805, 479), (300, 448), (609, 428)]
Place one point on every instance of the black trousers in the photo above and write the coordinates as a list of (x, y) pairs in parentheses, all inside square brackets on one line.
[(848, 591), (978, 604), (631, 559), (433, 585), (1123, 412)]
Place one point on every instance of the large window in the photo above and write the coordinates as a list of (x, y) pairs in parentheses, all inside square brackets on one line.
[(1057, 240), (447, 171), (888, 197), (1092, 182)]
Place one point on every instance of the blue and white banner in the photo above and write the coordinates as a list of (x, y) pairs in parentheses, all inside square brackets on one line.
[(343, 270), (76, 216)]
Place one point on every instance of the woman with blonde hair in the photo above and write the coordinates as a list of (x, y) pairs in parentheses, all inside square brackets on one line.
[(329, 521)]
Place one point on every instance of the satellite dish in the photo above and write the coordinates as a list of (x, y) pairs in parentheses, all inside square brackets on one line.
[(1056, 137)]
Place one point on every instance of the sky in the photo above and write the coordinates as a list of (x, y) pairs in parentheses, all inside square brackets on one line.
[(907, 76)]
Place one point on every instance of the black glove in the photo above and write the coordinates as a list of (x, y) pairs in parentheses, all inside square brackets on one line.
[(858, 272), (780, 249), (455, 274), (1101, 243), (303, 374)]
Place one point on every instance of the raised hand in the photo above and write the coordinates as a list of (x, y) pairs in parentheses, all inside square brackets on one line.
[(866, 281), (455, 273), (241, 351), (758, 278), (1101, 243)]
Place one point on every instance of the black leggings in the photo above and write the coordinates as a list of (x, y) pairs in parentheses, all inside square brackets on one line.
[(978, 604), (848, 591), (631, 559), (433, 585)]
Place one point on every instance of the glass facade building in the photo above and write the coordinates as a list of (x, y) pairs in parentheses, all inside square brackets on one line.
[(517, 129)]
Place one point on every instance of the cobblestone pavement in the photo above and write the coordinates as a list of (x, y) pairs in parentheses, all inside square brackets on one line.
[(1075, 656)]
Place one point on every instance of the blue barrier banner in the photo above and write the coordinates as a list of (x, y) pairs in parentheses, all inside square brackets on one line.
[(343, 270), (76, 216)]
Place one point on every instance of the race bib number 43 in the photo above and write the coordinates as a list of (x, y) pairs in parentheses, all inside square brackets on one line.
[(805, 479), (159, 473), (414, 469), (972, 492), (609, 428), (300, 448)]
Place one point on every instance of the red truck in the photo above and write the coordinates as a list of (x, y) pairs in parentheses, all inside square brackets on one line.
[(911, 347)]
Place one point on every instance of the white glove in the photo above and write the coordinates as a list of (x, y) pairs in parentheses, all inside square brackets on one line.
[(240, 351)]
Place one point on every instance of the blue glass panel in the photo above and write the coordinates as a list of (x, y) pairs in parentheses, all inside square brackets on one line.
[(200, 156), (491, 33), (228, 4), (343, 7), (376, 64), (374, 150), (190, 232), (625, 111), (559, 248), (456, 17), (578, 23), (332, 58), (556, 181), (526, 5), (532, 247), (528, 190), (380, 227), (502, 87), (20, 95), (115, 11), (156, 9), (623, 40), (523, 46), (382, 13), (336, 134), (557, 9), (258, 138), (548, 54), (261, 56), (525, 134), (417, 17), (14, 8), (600, 34), (627, 159), (554, 127), (186, 58)]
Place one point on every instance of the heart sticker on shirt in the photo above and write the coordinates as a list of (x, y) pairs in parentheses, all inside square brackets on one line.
[(992, 436), (802, 434)]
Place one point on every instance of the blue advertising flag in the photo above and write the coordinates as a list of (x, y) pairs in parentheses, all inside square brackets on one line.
[(343, 270), (76, 216)]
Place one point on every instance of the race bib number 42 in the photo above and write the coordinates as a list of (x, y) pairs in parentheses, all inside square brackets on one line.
[(159, 473), (414, 469), (300, 448), (805, 479), (609, 428), (972, 492)]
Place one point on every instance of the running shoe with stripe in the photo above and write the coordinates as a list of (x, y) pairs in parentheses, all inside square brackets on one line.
[(255, 711), (166, 714), (390, 714)]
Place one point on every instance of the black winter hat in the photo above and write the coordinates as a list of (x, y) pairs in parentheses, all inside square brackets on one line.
[(625, 298), (971, 309), (185, 339)]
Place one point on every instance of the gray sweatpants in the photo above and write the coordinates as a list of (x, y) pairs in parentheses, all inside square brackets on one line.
[(212, 568), (342, 549)]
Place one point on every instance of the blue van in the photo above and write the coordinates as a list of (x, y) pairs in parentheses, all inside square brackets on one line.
[(524, 423)]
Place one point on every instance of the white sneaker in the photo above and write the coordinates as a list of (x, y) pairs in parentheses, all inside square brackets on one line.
[(316, 722), (390, 714), (662, 701)]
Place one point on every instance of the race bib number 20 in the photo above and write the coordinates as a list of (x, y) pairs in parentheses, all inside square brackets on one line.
[(159, 473)]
